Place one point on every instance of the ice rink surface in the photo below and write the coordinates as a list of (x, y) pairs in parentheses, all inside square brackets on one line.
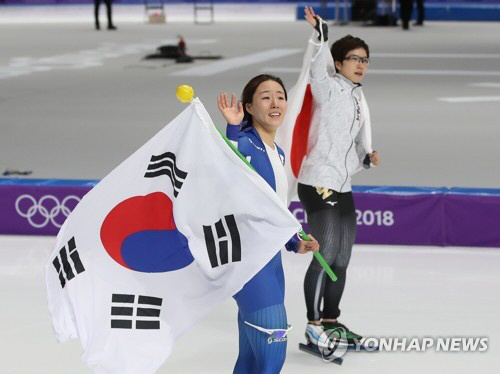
[(75, 102), (398, 292)]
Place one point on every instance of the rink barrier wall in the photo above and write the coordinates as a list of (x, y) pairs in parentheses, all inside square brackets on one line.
[(384, 215), (435, 10)]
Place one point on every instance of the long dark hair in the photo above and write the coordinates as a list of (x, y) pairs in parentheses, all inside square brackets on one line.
[(251, 87)]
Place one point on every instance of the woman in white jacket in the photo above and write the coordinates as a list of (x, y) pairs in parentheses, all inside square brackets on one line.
[(338, 145)]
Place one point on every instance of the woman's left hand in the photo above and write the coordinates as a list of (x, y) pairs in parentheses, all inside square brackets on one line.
[(310, 16), (374, 158), (308, 246), (232, 113)]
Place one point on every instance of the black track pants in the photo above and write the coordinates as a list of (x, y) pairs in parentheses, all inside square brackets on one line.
[(332, 221)]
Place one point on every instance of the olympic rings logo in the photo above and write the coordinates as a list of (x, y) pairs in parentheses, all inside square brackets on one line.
[(44, 209)]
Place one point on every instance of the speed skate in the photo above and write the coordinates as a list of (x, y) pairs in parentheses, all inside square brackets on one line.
[(314, 350)]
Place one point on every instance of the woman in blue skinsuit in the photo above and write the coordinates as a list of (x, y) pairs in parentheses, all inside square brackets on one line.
[(252, 124)]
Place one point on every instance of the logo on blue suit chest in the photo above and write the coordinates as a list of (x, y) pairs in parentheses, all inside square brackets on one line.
[(256, 146)]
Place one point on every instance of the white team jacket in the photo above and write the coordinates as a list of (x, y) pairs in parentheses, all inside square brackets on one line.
[(340, 133)]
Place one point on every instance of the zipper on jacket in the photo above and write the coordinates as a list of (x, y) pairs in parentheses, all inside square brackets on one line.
[(352, 140)]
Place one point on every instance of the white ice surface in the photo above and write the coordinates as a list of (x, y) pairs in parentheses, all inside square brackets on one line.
[(391, 292)]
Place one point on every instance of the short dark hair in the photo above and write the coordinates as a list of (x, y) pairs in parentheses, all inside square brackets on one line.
[(251, 87), (342, 47)]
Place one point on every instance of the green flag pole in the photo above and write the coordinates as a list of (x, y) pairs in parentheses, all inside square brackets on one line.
[(302, 233)]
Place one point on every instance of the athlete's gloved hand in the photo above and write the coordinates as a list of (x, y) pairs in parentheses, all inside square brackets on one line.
[(315, 21), (324, 27), (367, 162), (371, 159)]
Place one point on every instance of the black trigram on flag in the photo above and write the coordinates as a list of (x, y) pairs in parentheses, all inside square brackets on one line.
[(165, 165), (68, 255), (145, 313), (222, 243)]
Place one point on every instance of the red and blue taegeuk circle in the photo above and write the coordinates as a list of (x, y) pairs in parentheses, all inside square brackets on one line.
[(140, 234)]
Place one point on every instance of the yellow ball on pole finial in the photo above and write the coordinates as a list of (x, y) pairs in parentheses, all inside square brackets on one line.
[(184, 93)]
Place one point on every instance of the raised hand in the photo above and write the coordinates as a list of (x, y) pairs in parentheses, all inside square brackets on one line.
[(232, 113), (310, 16)]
